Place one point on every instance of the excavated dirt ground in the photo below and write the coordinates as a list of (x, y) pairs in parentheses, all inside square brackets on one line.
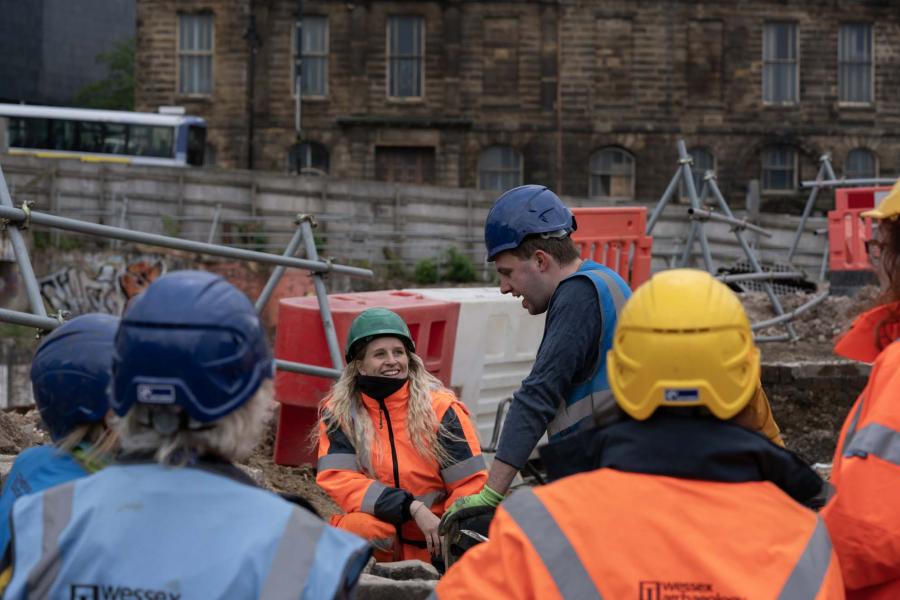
[(810, 405)]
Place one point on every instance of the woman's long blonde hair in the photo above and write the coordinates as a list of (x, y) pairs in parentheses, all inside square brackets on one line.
[(343, 409)]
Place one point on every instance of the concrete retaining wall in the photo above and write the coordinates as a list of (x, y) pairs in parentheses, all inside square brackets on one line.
[(362, 222)]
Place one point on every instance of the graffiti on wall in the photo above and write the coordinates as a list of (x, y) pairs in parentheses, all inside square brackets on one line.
[(106, 287)]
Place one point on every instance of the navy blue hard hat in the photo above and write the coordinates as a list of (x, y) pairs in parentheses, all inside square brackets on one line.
[(70, 373), (192, 340), (523, 211)]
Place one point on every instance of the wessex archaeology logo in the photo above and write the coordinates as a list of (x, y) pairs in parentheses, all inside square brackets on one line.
[(79, 591), (681, 590)]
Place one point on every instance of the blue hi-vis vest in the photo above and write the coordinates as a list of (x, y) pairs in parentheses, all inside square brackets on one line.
[(591, 403), (35, 470), (145, 531)]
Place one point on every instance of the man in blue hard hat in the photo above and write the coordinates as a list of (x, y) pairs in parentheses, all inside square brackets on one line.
[(174, 517), (528, 238), (70, 375)]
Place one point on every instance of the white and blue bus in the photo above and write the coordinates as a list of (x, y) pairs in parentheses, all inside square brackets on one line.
[(105, 135)]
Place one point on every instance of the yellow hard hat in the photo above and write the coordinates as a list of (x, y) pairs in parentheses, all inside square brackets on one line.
[(683, 339), (889, 207)]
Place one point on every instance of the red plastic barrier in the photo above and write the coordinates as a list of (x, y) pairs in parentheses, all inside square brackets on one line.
[(847, 235), (864, 197), (300, 337), (614, 236)]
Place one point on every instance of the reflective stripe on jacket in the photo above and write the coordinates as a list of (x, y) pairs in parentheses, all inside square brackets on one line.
[(863, 515), (340, 473), (35, 470), (146, 531), (591, 402), (611, 534)]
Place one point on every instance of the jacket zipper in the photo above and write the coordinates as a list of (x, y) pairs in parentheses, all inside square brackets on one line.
[(387, 417)]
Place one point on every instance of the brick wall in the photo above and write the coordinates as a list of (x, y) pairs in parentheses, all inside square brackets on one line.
[(633, 75)]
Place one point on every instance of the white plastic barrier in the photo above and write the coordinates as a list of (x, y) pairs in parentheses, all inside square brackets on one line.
[(496, 342)]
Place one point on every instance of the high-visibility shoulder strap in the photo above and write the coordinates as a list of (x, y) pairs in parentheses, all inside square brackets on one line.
[(551, 544), (809, 573)]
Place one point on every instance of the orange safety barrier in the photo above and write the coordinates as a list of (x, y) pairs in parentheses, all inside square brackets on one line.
[(614, 236), (847, 231), (847, 235), (862, 197), (300, 337)]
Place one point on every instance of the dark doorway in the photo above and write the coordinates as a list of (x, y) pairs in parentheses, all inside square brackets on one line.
[(404, 165)]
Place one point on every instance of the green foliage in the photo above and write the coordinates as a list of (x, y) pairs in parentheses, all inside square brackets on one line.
[(170, 226), (10, 330), (41, 239), (116, 92), (426, 272), (459, 267), (395, 269), (251, 236)]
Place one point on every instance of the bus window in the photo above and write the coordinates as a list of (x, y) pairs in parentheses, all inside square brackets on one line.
[(162, 142), (16, 132), (146, 140), (90, 136), (114, 138), (28, 133), (62, 135), (196, 144)]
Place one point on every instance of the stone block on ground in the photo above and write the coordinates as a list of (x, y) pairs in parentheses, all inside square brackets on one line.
[(373, 587), (405, 570)]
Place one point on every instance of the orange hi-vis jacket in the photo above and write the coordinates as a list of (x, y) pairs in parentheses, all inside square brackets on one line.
[(614, 534), (863, 515), (378, 508)]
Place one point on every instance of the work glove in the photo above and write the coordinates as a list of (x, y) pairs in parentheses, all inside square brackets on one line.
[(469, 506)]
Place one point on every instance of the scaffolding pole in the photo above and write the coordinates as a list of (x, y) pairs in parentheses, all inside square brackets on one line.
[(751, 257), (17, 215), (700, 214), (20, 249), (769, 276), (278, 271), (337, 360), (794, 313), (826, 173)]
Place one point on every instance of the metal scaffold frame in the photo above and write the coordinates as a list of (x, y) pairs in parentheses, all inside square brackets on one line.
[(699, 216), (826, 179), (15, 220)]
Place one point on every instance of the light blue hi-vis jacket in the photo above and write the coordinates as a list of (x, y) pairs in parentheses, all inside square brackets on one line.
[(35, 470), (146, 531), (591, 403)]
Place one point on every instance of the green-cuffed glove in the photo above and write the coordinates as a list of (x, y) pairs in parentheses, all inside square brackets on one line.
[(484, 501)]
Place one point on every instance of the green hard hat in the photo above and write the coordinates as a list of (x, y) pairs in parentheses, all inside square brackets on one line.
[(374, 323)]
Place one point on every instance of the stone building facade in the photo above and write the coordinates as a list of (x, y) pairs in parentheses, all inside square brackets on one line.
[(586, 96)]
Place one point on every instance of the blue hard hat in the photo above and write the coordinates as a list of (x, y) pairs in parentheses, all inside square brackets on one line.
[(523, 211), (192, 340), (70, 373)]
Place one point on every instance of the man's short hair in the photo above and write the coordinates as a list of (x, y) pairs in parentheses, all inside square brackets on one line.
[(563, 250)]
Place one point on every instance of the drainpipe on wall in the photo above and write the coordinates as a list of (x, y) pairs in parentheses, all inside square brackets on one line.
[(559, 137), (253, 44), (298, 101)]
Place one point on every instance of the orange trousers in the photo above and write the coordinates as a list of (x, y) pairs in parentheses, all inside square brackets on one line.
[(382, 535)]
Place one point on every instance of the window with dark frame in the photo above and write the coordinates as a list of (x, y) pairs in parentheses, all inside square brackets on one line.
[(855, 66), (406, 56), (779, 169), (195, 54), (780, 63), (703, 161), (311, 57), (612, 174), (308, 158), (499, 168), (860, 164)]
